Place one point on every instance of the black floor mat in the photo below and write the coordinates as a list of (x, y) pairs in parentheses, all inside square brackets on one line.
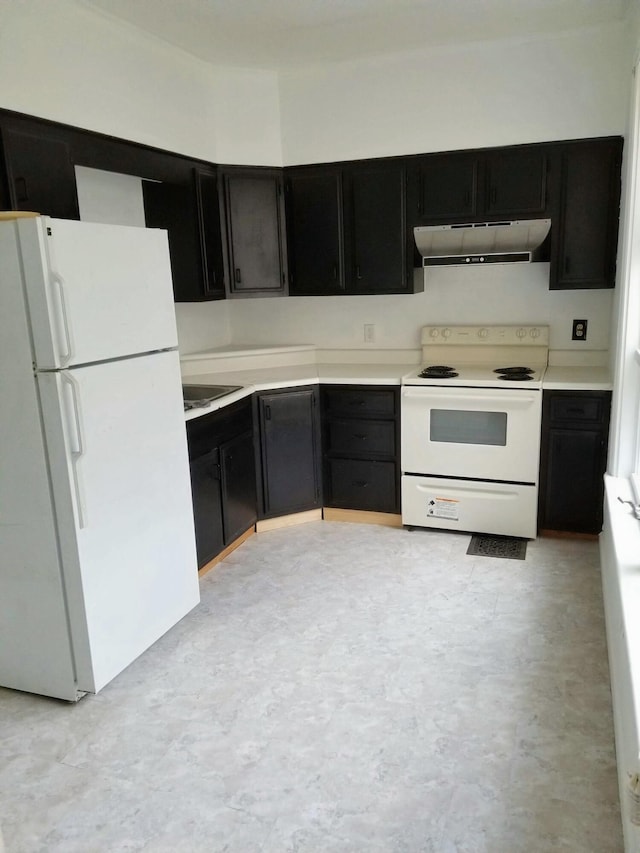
[(497, 546)]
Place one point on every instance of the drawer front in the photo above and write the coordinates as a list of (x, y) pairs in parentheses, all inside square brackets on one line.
[(362, 437), (585, 409), (351, 401), (361, 484)]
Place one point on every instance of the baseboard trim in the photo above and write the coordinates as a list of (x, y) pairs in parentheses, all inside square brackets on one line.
[(228, 550), (288, 520), (357, 516)]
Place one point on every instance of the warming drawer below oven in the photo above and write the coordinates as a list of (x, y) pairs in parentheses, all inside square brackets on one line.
[(502, 509)]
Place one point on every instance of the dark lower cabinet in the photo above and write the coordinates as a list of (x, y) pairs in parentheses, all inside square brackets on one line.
[(223, 481), (289, 445), (361, 449), (575, 428)]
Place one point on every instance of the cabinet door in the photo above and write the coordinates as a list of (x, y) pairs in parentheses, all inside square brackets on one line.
[(314, 232), (585, 242), (238, 475), (290, 448), (207, 505), (254, 232), (210, 234), (40, 175), (377, 229), (172, 206), (448, 187), (573, 492), (515, 182)]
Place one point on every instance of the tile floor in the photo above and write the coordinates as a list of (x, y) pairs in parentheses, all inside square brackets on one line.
[(340, 688)]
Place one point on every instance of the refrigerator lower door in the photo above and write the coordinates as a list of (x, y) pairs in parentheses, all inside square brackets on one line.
[(116, 442), (35, 649), (95, 292)]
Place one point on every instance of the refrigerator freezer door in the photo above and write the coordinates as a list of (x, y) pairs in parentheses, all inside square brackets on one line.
[(117, 447), (95, 291)]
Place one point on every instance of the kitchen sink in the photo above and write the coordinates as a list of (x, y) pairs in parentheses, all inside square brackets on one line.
[(196, 396)]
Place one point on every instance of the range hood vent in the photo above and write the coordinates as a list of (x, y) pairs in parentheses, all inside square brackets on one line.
[(481, 242)]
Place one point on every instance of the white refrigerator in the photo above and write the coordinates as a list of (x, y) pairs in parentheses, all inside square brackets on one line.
[(97, 547)]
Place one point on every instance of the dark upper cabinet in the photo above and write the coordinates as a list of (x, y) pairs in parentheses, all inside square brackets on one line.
[(447, 187), (314, 231), (516, 182), (40, 174), (255, 231), (376, 229), (208, 201), (585, 227), (573, 458), (477, 185), (289, 470), (347, 229), (171, 205)]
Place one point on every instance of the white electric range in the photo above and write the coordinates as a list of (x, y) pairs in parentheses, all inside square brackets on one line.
[(470, 433)]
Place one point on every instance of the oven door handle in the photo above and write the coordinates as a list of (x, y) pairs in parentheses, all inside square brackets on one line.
[(509, 401)]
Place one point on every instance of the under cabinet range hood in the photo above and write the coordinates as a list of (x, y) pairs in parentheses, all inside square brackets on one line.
[(505, 242)]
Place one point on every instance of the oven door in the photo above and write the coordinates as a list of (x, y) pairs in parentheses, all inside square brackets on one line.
[(473, 433)]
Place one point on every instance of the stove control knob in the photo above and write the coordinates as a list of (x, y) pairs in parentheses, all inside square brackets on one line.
[(433, 333), (535, 333), (446, 333), (483, 333), (521, 333)]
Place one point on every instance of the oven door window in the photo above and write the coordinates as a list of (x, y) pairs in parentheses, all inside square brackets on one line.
[(455, 426)]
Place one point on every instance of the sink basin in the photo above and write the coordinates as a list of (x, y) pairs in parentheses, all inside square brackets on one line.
[(200, 395)]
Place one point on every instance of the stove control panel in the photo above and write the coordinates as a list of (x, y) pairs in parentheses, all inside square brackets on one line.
[(487, 335)]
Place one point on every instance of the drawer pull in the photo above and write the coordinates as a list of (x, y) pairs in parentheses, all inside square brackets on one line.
[(357, 403), (359, 435), (362, 484), (576, 411)]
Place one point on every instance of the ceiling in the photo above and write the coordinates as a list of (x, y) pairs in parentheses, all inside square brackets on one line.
[(282, 34)]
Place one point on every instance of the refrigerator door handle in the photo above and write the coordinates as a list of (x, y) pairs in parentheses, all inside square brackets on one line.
[(74, 424), (64, 332)]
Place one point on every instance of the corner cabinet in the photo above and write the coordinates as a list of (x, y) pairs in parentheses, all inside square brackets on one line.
[(585, 224), (361, 447), (347, 229), (223, 483), (573, 458), (288, 446), (256, 243)]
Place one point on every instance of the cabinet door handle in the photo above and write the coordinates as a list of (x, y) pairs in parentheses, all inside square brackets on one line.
[(467, 198), (21, 189), (335, 272), (358, 273), (494, 195), (238, 276), (267, 413), (567, 264), (214, 472)]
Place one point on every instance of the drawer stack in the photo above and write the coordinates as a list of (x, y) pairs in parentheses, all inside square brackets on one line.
[(361, 451)]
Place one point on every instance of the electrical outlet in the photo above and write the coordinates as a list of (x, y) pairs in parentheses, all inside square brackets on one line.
[(579, 330), (369, 333)]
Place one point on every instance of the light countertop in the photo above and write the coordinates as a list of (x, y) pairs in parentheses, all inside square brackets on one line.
[(265, 373)]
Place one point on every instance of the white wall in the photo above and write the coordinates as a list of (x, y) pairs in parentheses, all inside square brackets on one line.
[(500, 294), (465, 96), (63, 61)]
